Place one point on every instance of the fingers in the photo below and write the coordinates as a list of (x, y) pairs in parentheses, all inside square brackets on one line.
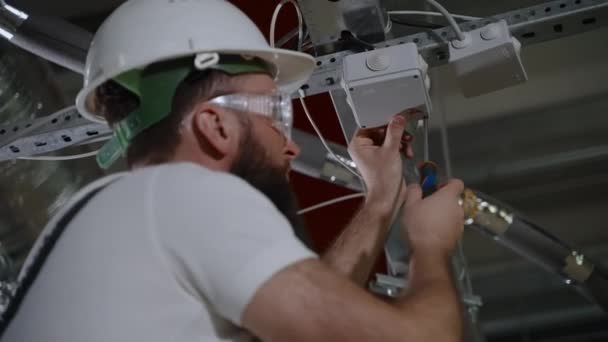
[(403, 192), (454, 187), (413, 194), (409, 152), (360, 141), (394, 133)]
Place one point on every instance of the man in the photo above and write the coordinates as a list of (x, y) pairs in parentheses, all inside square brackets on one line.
[(195, 244)]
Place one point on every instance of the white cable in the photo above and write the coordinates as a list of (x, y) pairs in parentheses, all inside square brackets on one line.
[(450, 18), (433, 14), (275, 16), (94, 140), (464, 276), (60, 158), (289, 36), (330, 202), (286, 38), (324, 142)]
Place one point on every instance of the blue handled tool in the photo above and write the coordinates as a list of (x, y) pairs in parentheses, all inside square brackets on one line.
[(427, 168)]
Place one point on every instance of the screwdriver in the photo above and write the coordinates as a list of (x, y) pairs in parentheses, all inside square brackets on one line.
[(426, 168)]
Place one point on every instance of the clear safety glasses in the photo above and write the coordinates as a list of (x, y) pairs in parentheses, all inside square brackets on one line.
[(275, 106)]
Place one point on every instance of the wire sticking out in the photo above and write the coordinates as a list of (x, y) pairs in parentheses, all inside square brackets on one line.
[(349, 37), (415, 24), (273, 23), (450, 18), (330, 202), (61, 158), (433, 14), (324, 142)]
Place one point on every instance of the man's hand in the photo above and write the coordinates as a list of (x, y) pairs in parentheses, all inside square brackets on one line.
[(434, 224), (377, 155)]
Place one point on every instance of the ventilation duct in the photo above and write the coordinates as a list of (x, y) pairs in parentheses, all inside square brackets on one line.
[(32, 191)]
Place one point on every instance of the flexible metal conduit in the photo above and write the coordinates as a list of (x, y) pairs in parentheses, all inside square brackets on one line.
[(532, 242)]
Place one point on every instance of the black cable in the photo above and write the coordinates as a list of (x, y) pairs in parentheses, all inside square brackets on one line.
[(349, 38), (416, 24)]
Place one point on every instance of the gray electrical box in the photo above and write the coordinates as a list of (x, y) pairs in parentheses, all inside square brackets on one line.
[(488, 61), (385, 82)]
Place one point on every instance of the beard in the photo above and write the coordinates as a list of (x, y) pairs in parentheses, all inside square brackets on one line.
[(252, 166)]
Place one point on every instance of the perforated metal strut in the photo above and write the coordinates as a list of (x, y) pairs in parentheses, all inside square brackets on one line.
[(551, 20), (548, 21)]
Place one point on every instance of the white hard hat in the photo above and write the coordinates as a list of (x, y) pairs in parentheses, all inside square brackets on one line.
[(143, 32)]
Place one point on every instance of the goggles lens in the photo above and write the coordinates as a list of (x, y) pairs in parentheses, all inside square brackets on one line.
[(277, 107)]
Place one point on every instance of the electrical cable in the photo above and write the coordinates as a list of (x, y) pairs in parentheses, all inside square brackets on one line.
[(324, 142), (464, 276), (286, 38), (330, 202), (348, 36), (273, 23), (289, 36), (461, 36), (60, 158), (416, 25), (94, 140), (433, 14)]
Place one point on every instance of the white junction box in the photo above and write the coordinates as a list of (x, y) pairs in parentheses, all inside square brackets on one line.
[(385, 82), (488, 60)]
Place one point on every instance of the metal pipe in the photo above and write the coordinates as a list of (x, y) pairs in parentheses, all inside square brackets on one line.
[(53, 39), (534, 243)]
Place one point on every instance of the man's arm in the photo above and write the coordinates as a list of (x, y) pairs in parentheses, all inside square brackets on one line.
[(356, 250), (309, 302), (358, 247)]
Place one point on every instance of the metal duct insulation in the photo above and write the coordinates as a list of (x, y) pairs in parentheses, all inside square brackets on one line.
[(57, 40), (31, 191), (527, 239)]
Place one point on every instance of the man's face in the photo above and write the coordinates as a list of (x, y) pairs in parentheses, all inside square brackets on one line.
[(254, 166), (265, 154), (278, 151)]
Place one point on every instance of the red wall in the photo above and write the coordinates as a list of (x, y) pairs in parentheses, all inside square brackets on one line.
[(324, 224)]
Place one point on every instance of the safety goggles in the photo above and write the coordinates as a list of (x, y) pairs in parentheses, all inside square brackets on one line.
[(276, 106)]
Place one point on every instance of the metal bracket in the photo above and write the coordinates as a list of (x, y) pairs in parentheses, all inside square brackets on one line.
[(39, 136), (548, 21), (393, 287), (531, 25)]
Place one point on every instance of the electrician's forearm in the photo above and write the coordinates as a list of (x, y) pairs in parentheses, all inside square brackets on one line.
[(432, 297), (357, 249)]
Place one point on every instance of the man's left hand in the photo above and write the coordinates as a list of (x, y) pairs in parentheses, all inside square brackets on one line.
[(377, 153)]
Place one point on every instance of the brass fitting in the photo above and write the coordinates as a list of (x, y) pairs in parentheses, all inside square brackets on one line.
[(485, 214)]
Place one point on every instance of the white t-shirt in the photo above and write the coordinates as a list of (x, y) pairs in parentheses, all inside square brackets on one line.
[(166, 253)]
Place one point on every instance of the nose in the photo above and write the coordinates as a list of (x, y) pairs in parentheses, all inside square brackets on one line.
[(292, 150)]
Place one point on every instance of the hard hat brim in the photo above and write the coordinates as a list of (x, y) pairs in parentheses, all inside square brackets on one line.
[(292, 69)]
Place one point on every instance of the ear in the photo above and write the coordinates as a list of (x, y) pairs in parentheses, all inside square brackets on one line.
[(217, 130)]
